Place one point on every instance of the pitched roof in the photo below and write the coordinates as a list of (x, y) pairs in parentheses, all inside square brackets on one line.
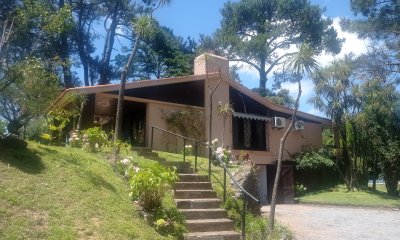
[(60, 101)]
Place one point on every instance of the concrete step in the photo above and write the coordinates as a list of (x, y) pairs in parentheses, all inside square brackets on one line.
[(209, 225), (192, 178), (193, 185), (205, 213), (192, 194), (220, 235), (198, 203)]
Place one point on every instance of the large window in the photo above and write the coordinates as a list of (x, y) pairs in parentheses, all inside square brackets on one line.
[(249, 134)]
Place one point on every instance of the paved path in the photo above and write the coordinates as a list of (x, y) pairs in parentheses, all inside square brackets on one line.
[(312, 222)]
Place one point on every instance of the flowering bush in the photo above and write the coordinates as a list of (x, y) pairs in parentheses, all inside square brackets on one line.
[(94, 139), (224, 154), (75, 140), (188, 150)]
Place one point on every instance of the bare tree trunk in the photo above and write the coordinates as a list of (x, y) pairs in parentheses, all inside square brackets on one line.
[(120, 105), (109, 43), (279, 164)]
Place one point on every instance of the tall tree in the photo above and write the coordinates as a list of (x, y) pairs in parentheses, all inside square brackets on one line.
[(379, 21), (85, 13), (142, 27), (334, 96), (160, 55), (301, 63), (263, 34)]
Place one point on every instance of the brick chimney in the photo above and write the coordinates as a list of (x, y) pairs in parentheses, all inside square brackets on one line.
[(210, 63)]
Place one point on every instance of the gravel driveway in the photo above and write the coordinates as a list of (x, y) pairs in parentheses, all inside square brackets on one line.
[(333, 222)]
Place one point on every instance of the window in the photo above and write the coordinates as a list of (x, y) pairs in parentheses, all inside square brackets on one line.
[(249, 134)]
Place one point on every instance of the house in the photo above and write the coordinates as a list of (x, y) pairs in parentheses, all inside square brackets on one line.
[(255, 126)]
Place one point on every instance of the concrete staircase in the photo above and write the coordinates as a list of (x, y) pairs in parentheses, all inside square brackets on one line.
[(198, 202)]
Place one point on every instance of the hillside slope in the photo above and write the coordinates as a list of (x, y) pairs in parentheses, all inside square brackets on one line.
[(63, 193)]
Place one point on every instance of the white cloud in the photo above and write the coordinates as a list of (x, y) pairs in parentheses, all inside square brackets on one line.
[(351, 44), (306, 88), (315, 112)]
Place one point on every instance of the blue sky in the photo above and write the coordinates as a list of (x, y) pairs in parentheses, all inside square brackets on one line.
[(195, 17)]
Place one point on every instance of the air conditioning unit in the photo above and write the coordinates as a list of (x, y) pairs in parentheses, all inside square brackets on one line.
[(299, 125), (279, 122)]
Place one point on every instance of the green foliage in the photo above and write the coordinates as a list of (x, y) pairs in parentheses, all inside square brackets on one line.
[(94, 139), (3, 128), (188, 122), (256, 227), (188, 150), (314, 160), (148, 186), (35, 128), (170, 222), (56, 121), (252, 32), (32, 86)]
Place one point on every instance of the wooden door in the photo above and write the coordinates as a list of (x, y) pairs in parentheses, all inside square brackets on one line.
[(285, 187)]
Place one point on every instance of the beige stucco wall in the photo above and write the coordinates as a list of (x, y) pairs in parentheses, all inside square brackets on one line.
[(155, 116), (297, 141), (221, 95)]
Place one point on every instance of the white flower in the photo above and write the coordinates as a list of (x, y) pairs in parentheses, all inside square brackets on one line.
[(188, 146), (70, 139), (96, 145), (220, 152), (214, 141), (125, 162), (136, 169)]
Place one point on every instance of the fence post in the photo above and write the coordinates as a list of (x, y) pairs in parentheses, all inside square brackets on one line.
[(195, 159), (209, 163), (184, 149), (244, 216), (152, 136), (224, 183)]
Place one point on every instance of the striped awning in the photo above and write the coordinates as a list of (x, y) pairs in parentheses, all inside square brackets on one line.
[(251, 116)]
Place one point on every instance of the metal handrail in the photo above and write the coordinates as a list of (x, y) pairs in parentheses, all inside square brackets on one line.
[(226, 171), (230, 175)]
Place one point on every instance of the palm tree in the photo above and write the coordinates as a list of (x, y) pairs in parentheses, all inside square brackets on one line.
[(143, 26), (334, 97), (301, 63)]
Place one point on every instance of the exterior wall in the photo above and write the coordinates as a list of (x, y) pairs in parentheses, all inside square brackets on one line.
[(155, 115), (221, 96), (297, 141), (209, 63)]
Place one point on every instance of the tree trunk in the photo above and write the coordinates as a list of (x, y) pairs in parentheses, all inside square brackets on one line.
[(120, 105), (336, 139), (109, 44), (391, 171), (263, 76), (64, 55), (279, 164)]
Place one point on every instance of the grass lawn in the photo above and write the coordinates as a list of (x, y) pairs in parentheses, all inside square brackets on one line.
[(63, 193), (365, 198)]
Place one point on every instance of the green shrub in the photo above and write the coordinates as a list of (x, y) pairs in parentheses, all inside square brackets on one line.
[(314, 159), (94, 139), (3, 128), (148, 186), (316, 170), (256, 227), (169, 222)]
